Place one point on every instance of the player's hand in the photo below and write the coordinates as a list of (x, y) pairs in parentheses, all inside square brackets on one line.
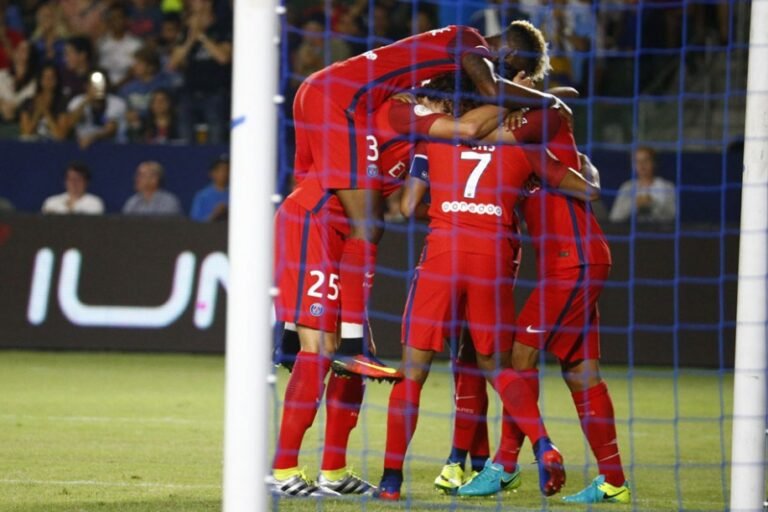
[(514, 120)]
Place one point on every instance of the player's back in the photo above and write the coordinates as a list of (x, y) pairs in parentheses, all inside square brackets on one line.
[(473, 193), (367, 80), (564, 230)]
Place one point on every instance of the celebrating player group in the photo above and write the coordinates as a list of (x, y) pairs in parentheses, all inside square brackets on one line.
[(454, 119)]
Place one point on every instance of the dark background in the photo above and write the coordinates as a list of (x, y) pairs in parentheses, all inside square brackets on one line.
[(671, 300)]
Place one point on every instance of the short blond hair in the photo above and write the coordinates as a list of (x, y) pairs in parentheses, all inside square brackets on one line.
[(523, 36)]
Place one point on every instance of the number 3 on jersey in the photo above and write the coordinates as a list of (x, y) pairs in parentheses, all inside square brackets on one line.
[(483, 159), (332, 284)]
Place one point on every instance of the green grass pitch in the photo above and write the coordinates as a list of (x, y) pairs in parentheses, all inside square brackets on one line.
[(123, 432)]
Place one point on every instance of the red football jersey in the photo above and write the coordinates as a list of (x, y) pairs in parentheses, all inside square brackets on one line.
[(565, 232), (367, 80), (473, 193), (398, 126)]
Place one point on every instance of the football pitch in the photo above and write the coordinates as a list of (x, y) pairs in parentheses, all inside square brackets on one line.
[(128, 432)]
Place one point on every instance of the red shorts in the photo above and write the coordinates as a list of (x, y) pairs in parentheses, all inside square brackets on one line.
[(561, 315), (334, 143), (452, 287), (307, 255)]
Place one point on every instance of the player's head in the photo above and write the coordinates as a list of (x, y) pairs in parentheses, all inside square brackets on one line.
[(523, 48), (441, 92)]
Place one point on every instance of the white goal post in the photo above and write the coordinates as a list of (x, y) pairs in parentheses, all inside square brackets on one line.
[(249, 305), (749, 393)]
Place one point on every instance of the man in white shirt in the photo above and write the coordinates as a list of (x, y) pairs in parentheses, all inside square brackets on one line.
[(117, 46), (649, 197), (75, 199)]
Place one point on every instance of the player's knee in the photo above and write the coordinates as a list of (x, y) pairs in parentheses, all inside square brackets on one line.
[(581, 376), (370, 230), (489, 363), (524, 357)]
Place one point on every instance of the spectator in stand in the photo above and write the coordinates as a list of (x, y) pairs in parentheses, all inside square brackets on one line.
[(42, 116), (17, 83), (425, 20), (78, 61), (96, 115), (84, 17), (170, 36), (9, 38), (310, 54), (117, 47), (137, 93), (75, 199), (648, 197), (144, 19), (160, 125), (48, 39), (204, 57), (349, 28), (212, 203), (149, 198)]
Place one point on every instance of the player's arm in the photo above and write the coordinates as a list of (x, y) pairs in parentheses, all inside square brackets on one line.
[(584, 186), (416, 186), (409, 118), (474, 124)]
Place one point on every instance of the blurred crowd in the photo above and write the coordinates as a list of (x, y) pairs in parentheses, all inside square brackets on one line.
[(144, 71), (159, 71)]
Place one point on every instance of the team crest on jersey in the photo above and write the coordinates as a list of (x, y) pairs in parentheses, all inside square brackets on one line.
[(316, 309), (372, 170)]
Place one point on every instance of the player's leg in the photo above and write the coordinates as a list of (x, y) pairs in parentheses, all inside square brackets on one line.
[(364, 209), (425, 325), (470, 429), (305, 250), (402, 418), (490, 314), (581, 372)]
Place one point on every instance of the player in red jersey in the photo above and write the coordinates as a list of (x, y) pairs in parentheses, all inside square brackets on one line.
[(336, 146), (466, 272), (561, 316), (307, 257)]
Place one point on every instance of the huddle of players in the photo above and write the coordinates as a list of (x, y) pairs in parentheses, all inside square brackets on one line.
[(355, 134)]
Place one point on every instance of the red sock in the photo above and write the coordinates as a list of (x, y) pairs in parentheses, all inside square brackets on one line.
[(599, 425), (342, 405), (509, 446), (402, 417), (304, 391), (357, 267), (470, 430), (518, 393)]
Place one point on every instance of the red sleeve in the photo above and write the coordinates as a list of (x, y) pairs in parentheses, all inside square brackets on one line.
[(546, 166), (469, 40), (408, 118), (539, 126)]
